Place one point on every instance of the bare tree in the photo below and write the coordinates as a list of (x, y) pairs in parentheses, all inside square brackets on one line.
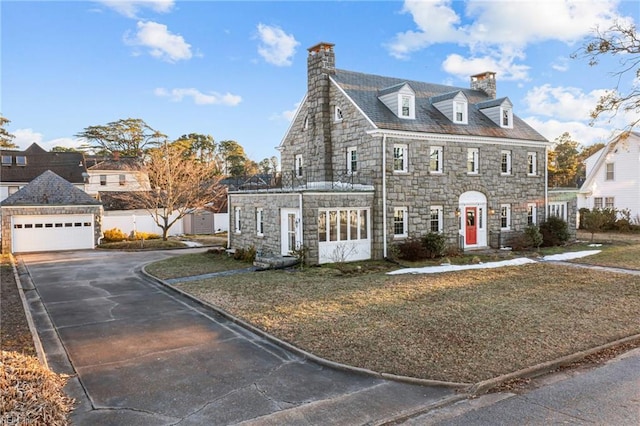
[(620, 40), (179, 183)]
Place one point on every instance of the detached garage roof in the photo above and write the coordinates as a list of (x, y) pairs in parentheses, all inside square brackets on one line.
[(49, 189)]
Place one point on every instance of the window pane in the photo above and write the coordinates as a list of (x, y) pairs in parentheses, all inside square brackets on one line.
[(322, 226), (353, 224), (363, 225), (343, 225), (333, 225)]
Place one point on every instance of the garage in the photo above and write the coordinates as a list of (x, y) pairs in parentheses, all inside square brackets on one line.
[(49, 214), (52, 232)]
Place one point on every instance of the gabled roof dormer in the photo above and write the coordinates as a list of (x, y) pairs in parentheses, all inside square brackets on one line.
[(500, 111), (400, 99), (454, 106)]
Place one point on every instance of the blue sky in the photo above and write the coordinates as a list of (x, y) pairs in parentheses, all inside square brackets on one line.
[(237, 70)]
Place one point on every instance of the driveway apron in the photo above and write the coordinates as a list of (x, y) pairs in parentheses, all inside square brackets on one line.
[(140, 354)]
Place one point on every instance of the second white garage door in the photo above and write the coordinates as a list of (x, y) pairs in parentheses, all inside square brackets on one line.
[(52, 232)]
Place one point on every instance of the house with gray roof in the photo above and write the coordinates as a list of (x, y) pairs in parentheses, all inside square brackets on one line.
[(369, 161), (47, 214), (18, 168)]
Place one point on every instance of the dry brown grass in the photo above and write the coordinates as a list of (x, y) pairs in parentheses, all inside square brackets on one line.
[(31, 394), (461, 326)]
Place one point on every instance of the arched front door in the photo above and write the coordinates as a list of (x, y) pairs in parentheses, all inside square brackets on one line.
[(473, 205)]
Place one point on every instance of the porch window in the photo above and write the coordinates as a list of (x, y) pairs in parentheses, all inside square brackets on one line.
[(342, 224), (435, 159), (322, 226), (558, 210), (505, 216), (435, 219), (400, 217)]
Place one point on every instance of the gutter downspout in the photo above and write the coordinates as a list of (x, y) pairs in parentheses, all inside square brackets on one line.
[(300, 219), (384, 196), (229, 220)]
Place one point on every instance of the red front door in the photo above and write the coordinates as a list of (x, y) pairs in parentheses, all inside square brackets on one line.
[(471, 230)]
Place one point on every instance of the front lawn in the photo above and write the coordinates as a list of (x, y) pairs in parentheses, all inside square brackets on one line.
[(194, 264)]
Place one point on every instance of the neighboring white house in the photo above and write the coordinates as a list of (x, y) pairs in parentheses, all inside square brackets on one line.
[(613, 176), (116, 174)]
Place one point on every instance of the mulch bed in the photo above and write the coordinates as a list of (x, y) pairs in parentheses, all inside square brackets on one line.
[(14, 329)]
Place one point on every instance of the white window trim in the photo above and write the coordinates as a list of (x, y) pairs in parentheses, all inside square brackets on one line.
[(534, 213), (404, 149), (509, 113), (440, 211), (475, 152), (553, 207), (506, 208), (412, 109), (350, 151), (237, 224), (405, 218), (337, 114), (532, 166), (464, 107), (259, 222), (438, 150), (606, 172), (508, 154)]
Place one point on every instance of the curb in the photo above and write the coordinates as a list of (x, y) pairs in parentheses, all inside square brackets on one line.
[(544, 368), (42, 357), (304, 354)]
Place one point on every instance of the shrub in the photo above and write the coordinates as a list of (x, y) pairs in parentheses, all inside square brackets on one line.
[(138, 235), (412, 250), (434, 245), (534, 237), (245, 255), (554, 232), (114, 235)]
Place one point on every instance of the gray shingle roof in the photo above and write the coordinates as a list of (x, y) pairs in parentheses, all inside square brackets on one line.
[(49, 189), (68, 165), (364, 90)]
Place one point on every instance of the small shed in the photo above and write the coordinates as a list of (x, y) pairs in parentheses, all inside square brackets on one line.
[(199, 221)]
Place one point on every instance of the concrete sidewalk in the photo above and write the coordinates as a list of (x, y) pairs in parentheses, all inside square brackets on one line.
[(140, 354)]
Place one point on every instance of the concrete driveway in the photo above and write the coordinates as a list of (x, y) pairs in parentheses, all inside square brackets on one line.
[(140, 354)]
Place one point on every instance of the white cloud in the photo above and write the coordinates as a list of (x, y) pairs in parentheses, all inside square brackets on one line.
[(287, 115), (25, 137), (579, 131), (199, 98), (497, 32), (561, 64), (162, 44), (505, 67), (276, 46), (131, 8), (568, 103)]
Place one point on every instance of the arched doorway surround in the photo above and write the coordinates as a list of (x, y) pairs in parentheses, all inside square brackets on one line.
[(473, 219)]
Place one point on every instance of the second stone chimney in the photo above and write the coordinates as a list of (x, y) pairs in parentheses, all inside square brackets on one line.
[(485, 82)]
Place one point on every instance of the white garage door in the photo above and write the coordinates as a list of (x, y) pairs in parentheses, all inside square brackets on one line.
[(52, 232)]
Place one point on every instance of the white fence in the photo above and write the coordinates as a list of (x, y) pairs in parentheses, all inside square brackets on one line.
[(136, 220), (221, 222)]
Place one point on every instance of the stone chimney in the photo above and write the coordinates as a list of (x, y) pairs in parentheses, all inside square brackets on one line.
[(485, 82), (320, 65)]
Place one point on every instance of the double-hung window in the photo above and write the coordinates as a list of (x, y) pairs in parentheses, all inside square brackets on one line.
[(435, 159), (400, 217), (505, 216), (406, 106), (609, 171), (435, 219), (505, 163), (609, 202), (532, 163), (472, 161), (352, 159), (460, 112), (337, 114), (400, 158), (597, 203)]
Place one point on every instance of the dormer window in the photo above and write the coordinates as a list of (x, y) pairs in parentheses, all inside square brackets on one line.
[(507, 118), (21, 160), (337, 116), (6, 160), (400, 99), (460, 115)]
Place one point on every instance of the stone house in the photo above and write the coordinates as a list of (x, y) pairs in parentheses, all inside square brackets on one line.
[(370, 161)]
